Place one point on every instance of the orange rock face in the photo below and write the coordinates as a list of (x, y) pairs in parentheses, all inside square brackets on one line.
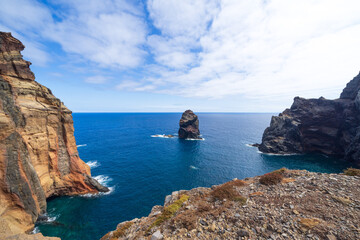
[(38, 154)]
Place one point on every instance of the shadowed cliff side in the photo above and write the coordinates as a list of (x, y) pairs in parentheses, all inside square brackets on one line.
[(38, 154), (318, 125)]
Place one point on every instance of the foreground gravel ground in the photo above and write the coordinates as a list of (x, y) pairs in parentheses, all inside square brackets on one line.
[(300, 205)]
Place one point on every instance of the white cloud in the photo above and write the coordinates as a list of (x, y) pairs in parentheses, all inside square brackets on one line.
[(206, 48), (109, 33), (127, 85), (98, 79), (263, 49), (181, 23)]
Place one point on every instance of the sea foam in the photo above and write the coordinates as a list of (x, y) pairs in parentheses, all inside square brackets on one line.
[(81, 145), (195, 139), (163, 136), (193, 167), (93, 164), (103, 180)]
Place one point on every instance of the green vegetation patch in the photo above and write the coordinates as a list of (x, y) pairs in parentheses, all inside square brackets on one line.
[(281, 170), (240, 199), (169, 211), (352, 172), (119, 232)]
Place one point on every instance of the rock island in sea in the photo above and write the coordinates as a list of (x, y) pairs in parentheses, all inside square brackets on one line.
[(38, 154), (189, 126)]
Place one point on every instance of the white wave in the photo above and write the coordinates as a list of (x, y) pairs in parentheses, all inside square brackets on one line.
[(193, 167), (35, 230), (195, 139), (280, 154), (46, 218), (81, 145), (103, 180), (93, 164), (163, 136), (92, 195)]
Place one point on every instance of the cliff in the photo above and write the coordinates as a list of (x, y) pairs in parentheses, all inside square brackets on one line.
[(318, 125), (189, 125), (38, 154), (284, 204)]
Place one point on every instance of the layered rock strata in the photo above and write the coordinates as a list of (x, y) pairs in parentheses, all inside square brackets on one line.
[(302, 205), (318, 125), (38, 154), (189, 125)]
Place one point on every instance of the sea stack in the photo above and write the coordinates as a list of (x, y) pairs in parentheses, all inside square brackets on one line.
[(319, 125), (189, 126), (38, 153)]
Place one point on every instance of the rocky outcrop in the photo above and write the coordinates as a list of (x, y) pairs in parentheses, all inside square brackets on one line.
[(318, 125), (38, 154), (300, 205), (189, 125)]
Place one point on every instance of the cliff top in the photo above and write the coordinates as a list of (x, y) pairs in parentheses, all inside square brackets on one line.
[(11, 62), (285, 204), (352, 88), (8, 43)]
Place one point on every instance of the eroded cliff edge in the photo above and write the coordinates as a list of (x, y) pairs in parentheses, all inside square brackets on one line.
[(284, 204), (38, 153), (318, 125)]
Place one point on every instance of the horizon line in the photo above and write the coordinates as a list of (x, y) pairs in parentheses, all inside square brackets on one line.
[(177, 112)]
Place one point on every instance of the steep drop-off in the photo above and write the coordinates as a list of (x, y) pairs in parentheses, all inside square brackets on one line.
[(318, 125), (38, 154)]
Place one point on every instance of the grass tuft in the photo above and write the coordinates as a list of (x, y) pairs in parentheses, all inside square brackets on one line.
[(271, 178), (352, 172), (227, 191), (240, 199)]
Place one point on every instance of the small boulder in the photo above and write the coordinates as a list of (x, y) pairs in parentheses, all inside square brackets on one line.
[(157, 235)]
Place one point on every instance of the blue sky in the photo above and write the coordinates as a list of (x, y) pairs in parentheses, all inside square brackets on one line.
[(206, 55)]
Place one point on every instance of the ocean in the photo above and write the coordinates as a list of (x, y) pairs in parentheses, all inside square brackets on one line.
[(142, 169)]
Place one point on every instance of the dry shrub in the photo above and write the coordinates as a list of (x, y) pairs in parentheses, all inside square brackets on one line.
[(227, 191), (352, 172), (187, 219), (271, 178), (203, 206)]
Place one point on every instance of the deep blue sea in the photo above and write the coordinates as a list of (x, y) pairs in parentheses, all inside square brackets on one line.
[(142, 170)]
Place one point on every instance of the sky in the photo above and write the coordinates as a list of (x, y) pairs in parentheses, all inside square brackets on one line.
[(173, 55)]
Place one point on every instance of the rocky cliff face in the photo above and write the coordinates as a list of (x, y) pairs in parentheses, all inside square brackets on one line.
[(189, 125), (38, 154), (318, 125), (298, 205)]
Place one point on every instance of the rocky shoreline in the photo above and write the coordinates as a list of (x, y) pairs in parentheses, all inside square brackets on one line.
[(285, 204), (318, 126)]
